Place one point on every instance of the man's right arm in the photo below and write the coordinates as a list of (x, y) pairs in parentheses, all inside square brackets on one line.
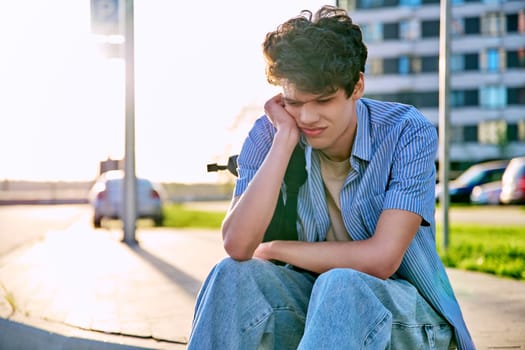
[(250, 213)]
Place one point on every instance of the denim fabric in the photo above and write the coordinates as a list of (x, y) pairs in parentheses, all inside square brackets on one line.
[(258, 305), (249, 305)]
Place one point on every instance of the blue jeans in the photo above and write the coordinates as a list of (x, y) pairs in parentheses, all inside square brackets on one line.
[(256, 304)]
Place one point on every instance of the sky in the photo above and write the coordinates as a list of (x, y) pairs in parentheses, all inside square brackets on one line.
[(197, 68)]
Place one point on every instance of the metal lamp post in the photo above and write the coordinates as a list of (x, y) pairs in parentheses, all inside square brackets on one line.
[(130, 197), (444, 115)]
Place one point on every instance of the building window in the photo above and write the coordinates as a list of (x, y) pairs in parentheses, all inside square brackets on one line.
[(521, 21), (390, 3), (457, 99), (404, 65), (430, 29), (407, 97), (516, 59), (464, 98), (410, 3), (493, 96), (374, 66), (516, 22), (345, 4), (494, 60), (372, 4), (368, 4), (372, 32), (424, 99), (418, 99), (391, 31), (493, 23), (415, 65), (512, 23), (516, 96), (457, 27), (457, 63), (471, 97), (465, 26), (471, 25), (456, 134), (409, 30), (493, 132), (429, 64), (470, 133), (471, 61), (512, 132), (464, 62), (391, 65), (521, 130)]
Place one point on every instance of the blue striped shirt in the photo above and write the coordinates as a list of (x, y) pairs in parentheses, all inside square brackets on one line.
[(392, 167)]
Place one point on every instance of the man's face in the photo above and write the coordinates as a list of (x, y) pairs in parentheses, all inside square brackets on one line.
[(327, 120)]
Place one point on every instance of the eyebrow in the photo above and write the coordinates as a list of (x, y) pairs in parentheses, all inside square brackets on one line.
[(325, 95)]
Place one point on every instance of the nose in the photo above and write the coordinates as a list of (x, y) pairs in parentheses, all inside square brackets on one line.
[(307, 115)]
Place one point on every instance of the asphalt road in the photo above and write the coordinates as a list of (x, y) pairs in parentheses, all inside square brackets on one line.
[(485, 215), (23, 224)]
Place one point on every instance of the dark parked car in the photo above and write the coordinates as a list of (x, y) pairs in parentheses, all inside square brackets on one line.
[(513, 182), (461, 188)]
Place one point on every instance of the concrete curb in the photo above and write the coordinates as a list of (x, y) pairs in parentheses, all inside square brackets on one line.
[(21, 336)]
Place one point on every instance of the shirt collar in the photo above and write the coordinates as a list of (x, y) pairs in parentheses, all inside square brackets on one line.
[(362, 142)]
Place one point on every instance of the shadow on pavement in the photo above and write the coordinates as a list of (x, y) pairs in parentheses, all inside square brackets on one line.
[(188, 283)]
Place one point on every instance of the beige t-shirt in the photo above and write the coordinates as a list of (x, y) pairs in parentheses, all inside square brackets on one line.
[(334, 174)]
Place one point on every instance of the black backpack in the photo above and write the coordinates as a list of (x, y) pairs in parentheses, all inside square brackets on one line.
[(283, 223)]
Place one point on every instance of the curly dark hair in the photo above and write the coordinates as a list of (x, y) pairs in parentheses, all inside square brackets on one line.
[(317, 53)]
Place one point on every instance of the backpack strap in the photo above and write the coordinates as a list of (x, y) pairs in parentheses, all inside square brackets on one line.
[(284, 220)]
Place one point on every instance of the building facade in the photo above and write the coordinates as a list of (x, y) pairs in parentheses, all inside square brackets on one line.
[(487, 68)]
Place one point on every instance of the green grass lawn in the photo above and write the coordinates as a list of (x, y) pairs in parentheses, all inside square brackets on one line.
[(498, 250), (180, 216)]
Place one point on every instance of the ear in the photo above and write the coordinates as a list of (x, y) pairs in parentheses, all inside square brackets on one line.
[(359, 88)]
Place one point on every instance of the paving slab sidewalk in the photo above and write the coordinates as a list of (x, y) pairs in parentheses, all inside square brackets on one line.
[(89, 280), (85, 289)]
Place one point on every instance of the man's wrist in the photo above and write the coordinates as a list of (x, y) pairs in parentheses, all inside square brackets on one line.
[(287, 139)]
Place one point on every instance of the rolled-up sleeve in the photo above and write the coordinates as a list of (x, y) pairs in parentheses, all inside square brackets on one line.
[(413, 171)]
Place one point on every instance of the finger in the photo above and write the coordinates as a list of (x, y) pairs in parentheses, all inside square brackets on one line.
[(279, 99), (274, 100)]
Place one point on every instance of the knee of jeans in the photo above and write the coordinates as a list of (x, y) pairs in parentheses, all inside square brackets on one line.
[(338, 276), (230, 267)]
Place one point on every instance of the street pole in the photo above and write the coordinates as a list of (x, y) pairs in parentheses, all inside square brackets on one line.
[(444, 115), (130, 198)]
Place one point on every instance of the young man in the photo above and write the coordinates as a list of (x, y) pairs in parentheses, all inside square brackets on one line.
[(364, 273)]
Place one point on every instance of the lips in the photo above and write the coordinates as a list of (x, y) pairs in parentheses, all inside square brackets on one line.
[(312, 131)]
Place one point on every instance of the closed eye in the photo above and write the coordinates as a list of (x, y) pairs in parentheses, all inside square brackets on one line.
[(318, 100)]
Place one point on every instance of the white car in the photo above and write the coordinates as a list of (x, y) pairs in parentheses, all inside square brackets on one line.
[(486, 194), (107, 201)]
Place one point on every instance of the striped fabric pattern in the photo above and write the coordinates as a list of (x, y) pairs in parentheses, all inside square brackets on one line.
[(392, 167)]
